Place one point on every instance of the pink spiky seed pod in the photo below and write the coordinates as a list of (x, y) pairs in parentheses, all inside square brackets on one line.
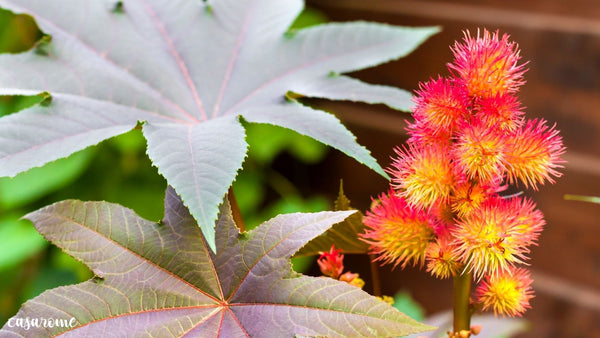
[(468, 195), (424, 176), (503, 112), (478, 152), (497, 235), (440, 104), (397, 232), (442, 261), (487, 64), (507, 293), (533, 154)]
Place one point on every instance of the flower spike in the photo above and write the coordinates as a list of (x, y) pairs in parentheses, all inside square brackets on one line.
[(468, 141)]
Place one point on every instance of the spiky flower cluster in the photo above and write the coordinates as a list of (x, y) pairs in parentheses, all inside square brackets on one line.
[(468, 142)]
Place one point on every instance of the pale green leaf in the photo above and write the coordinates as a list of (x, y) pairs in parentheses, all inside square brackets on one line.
[(179, 66)]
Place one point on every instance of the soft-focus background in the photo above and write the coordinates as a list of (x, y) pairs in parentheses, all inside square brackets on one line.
[(287, 172), (562, 41)]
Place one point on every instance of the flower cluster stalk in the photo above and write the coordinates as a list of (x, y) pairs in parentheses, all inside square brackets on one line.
[(462, 308)]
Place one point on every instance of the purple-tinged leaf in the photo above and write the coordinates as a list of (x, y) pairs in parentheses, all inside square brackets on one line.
[(161, 279), (180, 67)]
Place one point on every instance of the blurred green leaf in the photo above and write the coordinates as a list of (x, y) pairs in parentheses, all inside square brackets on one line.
[(18, 241), (121, 174), (13, 104), (306, 149), (302, 264), (249, 190), (404, 302), (38, 182), (130, 142), (145, 200), (48, 278), (309, 17), (62, 261), (297, 204), (18, 33), (266, 141)]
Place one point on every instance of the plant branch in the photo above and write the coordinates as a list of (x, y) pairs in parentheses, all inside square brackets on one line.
[(375, 276), (235, 210), (581, 198)]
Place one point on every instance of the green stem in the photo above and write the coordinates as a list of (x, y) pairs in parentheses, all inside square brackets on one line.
[(375, 276), (591, 199), (235, 210), (462, 292)]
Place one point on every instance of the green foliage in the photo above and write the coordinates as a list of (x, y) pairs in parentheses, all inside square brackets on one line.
[(404, 303), (18, 241), (267, 141), (15, 103), (39, 182), (18, 33)]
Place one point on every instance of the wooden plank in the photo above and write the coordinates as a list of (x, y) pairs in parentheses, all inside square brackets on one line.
[(525, 17), (387, 121)]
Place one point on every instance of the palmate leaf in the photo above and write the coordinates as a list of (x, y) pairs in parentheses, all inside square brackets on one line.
[(187, 69), (161, 280)]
